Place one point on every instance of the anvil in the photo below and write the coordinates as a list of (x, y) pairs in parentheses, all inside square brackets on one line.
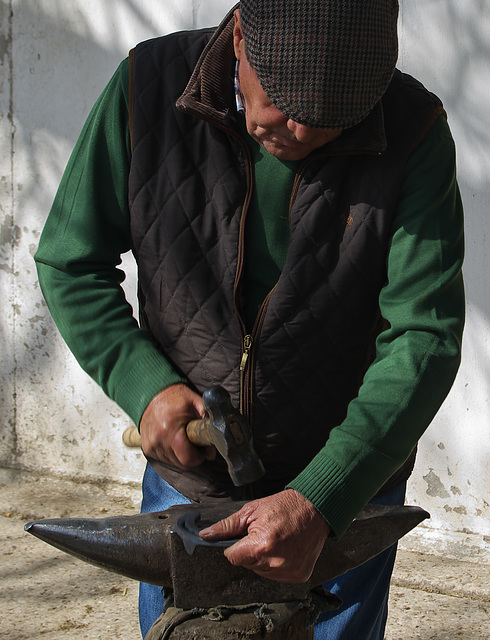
[(164, 548)]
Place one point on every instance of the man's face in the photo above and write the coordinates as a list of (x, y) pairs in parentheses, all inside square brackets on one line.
[(279, 135)]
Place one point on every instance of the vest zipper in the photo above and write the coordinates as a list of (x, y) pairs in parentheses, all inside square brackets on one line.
[(247, 345), (246, 377), (247, 363)]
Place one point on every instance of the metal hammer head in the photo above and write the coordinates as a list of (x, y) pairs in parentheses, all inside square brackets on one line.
[(232, 436)]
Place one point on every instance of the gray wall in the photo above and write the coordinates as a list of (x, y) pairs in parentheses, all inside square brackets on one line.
[(55, 57)]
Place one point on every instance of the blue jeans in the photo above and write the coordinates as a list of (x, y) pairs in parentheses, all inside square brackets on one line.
[(364, 590)]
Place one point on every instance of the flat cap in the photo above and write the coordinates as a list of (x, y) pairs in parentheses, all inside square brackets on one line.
[(323, 63)]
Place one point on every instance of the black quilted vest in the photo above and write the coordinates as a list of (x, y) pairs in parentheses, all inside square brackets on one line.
[(189, 189)]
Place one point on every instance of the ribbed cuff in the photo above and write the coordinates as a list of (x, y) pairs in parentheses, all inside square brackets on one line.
[(332, 490), (146, 378)]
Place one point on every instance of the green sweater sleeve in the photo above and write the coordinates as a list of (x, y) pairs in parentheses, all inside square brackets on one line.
[(77, 260), (417, 356)]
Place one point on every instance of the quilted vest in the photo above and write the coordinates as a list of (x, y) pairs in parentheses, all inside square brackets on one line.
[(189, 189)]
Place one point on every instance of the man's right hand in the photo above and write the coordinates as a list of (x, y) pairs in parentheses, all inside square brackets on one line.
[(163, 428)]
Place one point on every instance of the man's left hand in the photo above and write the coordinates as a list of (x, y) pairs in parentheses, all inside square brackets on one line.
[(285, 535)]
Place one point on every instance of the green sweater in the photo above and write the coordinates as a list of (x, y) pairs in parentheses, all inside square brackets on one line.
[(417, 357)]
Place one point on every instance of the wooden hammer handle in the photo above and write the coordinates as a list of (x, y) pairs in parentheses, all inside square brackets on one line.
[(197, 432), (131, 437)]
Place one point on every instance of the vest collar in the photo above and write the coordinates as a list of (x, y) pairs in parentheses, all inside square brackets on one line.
[(210, 91)]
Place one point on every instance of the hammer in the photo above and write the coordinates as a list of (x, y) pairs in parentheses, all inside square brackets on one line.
[(227, 430)]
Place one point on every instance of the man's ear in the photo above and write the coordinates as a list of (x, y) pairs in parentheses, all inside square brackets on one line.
[(238, 35)]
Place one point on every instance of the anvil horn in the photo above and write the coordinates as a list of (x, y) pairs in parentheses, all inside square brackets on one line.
[(137, 547), (164, 548)]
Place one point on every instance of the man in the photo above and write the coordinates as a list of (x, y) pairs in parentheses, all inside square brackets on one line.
[(291, 202)]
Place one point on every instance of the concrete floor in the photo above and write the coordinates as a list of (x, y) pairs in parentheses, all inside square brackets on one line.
[(47, 594)]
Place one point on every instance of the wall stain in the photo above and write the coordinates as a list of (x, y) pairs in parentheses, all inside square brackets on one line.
[(435, 488), (6, 230), (462, 511)]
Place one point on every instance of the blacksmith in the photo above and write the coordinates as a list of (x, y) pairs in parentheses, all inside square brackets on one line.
[(291, 201)]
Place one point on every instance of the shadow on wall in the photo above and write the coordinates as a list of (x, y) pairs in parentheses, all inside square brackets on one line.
[(60, 56), (445, 43), (61, 62)]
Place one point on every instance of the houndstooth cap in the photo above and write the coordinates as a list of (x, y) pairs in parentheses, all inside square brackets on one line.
[(323, 63)]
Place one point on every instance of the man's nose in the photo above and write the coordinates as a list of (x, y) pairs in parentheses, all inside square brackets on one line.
[(302, 133)]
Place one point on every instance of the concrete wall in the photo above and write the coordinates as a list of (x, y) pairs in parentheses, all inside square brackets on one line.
[(55, 57), (446, 44)]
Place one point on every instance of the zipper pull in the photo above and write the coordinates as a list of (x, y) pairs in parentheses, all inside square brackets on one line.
[(247, 345)]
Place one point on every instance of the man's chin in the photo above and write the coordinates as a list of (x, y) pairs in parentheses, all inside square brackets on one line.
[(285, 152)]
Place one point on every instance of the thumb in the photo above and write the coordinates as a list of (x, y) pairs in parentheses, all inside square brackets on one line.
[(230, 527)]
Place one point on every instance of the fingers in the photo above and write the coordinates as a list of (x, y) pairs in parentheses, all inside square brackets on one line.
[(253, 553), (177, 444), (230, 527), (285, 535), (262, 552), (163, 428)]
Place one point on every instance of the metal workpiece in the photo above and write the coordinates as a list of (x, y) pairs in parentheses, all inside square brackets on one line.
[(165, 549)]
